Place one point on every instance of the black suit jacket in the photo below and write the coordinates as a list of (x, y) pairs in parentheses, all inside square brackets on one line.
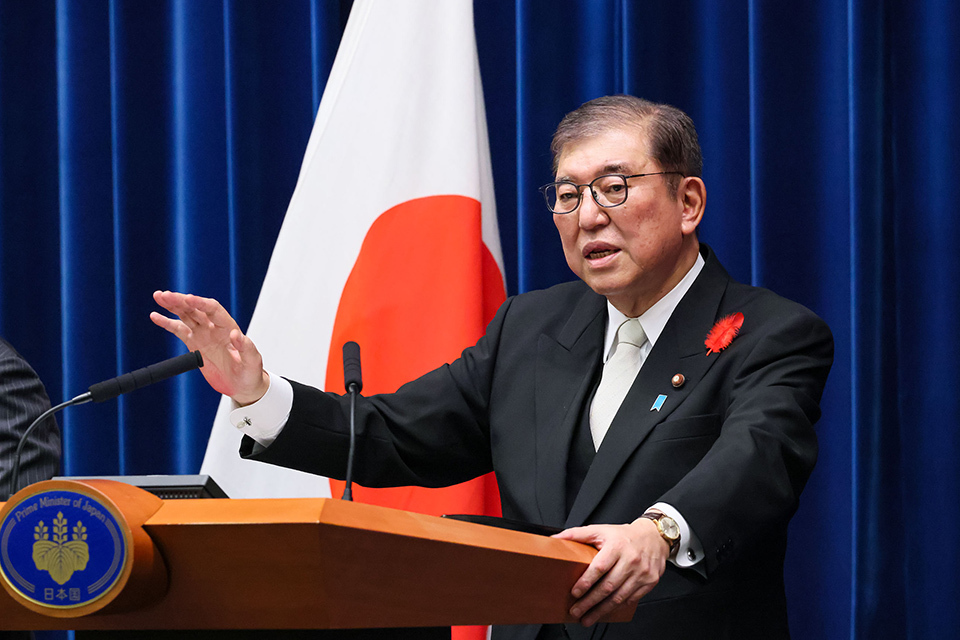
[(22, 400), (731, 448)]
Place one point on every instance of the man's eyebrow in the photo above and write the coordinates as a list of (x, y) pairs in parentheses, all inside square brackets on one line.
[(617, 167)]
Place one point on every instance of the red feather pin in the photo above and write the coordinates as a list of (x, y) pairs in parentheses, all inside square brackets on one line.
[(723, 333)]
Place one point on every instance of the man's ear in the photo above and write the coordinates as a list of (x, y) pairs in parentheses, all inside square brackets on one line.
[(692, 194)]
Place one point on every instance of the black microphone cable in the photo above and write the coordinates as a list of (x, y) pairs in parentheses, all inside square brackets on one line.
[(109, 389)]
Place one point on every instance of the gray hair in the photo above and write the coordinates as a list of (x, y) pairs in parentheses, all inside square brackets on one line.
[(671, 135)]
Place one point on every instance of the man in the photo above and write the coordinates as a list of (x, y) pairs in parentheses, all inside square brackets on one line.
[(677, 443), (22, 400)]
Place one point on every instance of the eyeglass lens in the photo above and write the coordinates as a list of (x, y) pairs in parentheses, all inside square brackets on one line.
[(564, 197)]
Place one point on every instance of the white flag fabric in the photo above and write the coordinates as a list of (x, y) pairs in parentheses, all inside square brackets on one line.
[(392, 220)]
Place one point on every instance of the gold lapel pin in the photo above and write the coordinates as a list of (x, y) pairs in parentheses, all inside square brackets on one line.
[(677, 380)]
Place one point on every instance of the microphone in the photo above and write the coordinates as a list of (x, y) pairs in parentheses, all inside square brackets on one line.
[(351, 367), (352, 382), (109, 389)]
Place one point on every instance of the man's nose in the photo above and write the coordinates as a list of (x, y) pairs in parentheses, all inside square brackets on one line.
[(591, 214)]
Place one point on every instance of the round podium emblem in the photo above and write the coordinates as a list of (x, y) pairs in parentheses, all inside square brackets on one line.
[(61, 549)]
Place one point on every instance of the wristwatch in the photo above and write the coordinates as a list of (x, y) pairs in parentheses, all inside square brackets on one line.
[(667, 527)]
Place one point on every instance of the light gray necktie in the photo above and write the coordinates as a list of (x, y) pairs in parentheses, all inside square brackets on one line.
[(618, 375)]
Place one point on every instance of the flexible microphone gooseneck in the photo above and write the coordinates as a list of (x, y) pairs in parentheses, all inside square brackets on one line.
[(109, 389), (353, 382)]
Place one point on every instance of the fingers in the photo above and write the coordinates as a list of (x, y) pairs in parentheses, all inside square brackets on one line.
[(628, 565), (232, 364), (586, 535), (600, 567), (602, 580), (176, 327), (195, 309), (618, 587), (625, 596), (602, 562), (164, 322), (169, 300), (200, 319)]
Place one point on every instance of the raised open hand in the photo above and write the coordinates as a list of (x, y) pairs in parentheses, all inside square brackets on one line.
[(232, 364)]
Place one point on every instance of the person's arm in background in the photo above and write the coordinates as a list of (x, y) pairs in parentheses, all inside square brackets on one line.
[(22, 399)]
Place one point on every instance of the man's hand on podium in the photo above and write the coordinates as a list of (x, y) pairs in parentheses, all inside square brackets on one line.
[(231, 363), (631, 559)]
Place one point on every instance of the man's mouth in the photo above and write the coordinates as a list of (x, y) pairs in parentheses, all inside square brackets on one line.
[(603, 253), (599, 250)]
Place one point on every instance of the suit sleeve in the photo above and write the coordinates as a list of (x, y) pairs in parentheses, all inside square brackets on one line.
[(22, 400), (432, 432), (745, 489)]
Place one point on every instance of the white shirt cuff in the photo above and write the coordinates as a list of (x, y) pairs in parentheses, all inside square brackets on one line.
[(690, 552), (264, 419)]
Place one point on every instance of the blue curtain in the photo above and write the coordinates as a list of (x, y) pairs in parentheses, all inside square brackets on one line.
[(148, 145)]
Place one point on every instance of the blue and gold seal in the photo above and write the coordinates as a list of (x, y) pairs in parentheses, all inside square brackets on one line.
[(62, 548)]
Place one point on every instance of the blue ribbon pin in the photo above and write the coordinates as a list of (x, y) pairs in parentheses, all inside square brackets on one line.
[(658, 402)]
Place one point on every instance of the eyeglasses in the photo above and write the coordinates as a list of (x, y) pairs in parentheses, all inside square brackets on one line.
[(607, 191)]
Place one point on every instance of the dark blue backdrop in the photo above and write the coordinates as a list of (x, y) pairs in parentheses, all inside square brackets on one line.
[(149, 145)]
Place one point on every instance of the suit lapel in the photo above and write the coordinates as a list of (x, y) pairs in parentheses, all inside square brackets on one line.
[(565, 366), (679, 349)]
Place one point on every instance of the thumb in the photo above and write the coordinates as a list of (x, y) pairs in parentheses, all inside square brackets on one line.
[(243, 345)]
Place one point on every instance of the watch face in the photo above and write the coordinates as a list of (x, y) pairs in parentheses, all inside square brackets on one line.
[(669, 527)]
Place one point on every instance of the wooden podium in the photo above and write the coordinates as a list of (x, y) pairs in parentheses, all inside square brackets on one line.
[(311, 564)]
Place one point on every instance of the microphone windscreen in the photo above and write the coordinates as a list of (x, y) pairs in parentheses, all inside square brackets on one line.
[(351, 366), (114, 387)]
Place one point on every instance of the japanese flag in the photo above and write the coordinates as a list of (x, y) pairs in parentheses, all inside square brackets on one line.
[(390, 238)]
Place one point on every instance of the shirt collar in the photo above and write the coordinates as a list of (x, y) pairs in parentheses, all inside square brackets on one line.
[(654, 319)]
